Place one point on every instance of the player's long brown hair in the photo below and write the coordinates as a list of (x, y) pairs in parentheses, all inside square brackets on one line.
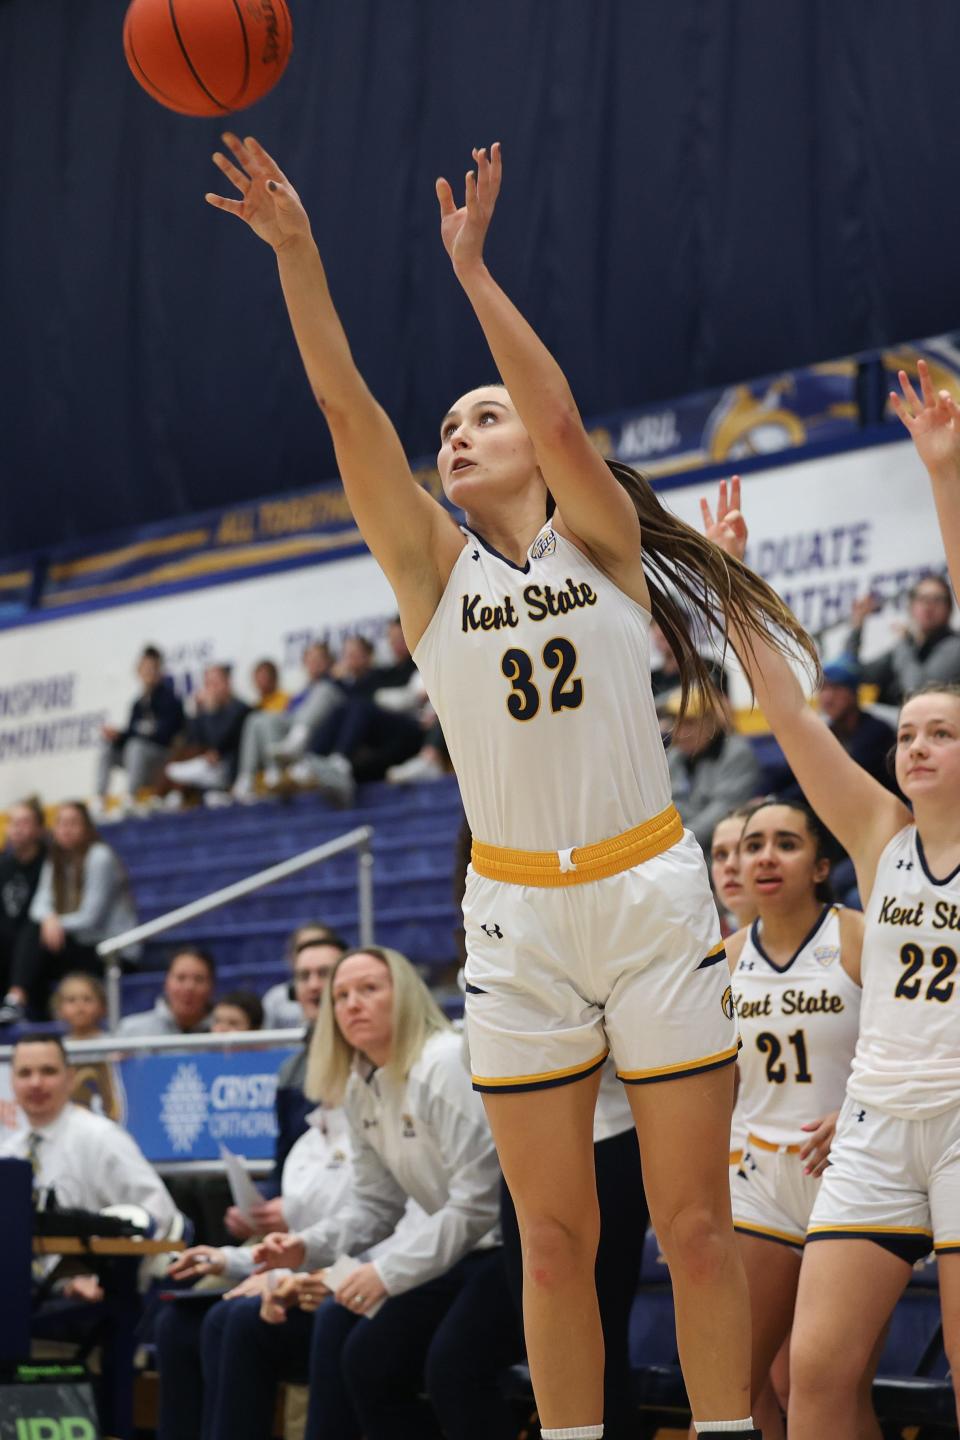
[(696, 588)]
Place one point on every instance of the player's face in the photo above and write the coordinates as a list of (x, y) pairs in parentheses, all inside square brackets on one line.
[(928, 746), (41, 1081), (778, 858), (485, 451), (363, 1005), (725, 864)]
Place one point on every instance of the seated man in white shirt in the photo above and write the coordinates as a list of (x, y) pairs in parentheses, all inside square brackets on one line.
[(85, 1160)]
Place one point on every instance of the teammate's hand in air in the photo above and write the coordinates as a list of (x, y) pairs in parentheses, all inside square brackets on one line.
[(816, 1152), (270, 205), (463, 231), (729, 529), (279, 1252), (933, 421)]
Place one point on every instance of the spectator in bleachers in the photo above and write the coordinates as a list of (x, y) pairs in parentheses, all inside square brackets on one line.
[(183, 1008), (143, 748), (928, 649), (712, 769), (664, 668), (398, 1327), (290, 1004), (20, 867), (213, 733), (80, 1003), (272, 739), (266, 684), (82, 897), (361, 739), (237, 1011)]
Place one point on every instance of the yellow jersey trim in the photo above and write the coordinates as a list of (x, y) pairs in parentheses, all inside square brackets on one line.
[(546, 1077), (867, 1230), (690, 1067), (766, 1232), (587, 862), (756, 1143)]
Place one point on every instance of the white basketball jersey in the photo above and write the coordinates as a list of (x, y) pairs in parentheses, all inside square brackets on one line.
[(798, 1023), (908, 1057), (540, 677)]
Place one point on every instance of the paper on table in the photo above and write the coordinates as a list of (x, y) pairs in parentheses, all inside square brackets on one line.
[(341, 1269), (244, 1192)]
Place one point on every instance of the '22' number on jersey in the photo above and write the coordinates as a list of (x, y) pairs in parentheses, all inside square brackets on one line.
[(941, 987), (566, 692)]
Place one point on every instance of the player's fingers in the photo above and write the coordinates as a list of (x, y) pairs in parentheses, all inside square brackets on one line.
[(706, 515), (496, 167), (900, 410), (909, 394), (262, 160), (448, 205), (233, 172), (219, 202), (470, 186), (926, 384), (734, 492)]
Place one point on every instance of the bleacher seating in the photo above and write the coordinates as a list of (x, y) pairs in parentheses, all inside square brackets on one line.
[(177, 858)]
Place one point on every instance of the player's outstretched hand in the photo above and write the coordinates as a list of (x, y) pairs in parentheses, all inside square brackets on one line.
[(269, 204), (933, 420), (464, 230), (729, 529)]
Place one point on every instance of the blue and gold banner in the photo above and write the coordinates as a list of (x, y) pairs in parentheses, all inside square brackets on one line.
[(823, 405)]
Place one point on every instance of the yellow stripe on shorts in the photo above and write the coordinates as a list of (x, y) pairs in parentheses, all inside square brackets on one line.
[(587, 862), (541, 1081), (676, 1072), (765, 1232)]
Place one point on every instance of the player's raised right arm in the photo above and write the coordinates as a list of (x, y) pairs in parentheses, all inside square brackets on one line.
[(412, 537), (852, 804), (933, 420)]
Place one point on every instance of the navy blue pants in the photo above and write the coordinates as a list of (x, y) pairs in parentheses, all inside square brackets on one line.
[(425, 1367)]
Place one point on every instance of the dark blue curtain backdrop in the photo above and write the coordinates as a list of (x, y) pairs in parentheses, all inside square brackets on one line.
[(696, 191)]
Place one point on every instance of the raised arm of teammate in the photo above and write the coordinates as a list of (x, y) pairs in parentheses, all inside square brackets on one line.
[(855, 807), (934, 425), (414, 539), (591, 503)]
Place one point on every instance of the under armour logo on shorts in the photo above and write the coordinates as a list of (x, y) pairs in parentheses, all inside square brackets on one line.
[(494, 931)]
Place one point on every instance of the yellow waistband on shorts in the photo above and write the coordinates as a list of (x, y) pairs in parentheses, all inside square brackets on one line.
[(551, 868), (755, 1143)]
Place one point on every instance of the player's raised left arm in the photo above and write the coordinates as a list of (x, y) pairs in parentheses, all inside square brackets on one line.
[(933, 420), (590, 500)]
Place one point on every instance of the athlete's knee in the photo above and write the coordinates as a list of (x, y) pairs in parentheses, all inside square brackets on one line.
[(697, 1242), (558, 1250), (820, 1374)]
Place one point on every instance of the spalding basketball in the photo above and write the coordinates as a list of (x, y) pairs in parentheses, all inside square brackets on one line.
[(207, 57)]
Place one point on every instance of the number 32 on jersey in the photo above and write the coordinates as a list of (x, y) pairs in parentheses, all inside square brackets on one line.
[(566, 692)]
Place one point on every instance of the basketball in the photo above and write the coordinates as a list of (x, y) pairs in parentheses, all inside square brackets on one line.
[(207, 57)]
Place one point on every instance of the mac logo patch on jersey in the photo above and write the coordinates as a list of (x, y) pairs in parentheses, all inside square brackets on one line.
[(727, 1003), (826, 954), (545, 544)]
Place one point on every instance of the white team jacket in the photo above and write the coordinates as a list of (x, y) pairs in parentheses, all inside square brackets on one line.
[(425, 1140)]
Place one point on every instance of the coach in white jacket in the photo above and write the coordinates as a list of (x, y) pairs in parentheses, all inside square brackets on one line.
[(419, 1133)]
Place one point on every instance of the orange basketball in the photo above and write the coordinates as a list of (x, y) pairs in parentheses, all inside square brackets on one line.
[(207, 57)]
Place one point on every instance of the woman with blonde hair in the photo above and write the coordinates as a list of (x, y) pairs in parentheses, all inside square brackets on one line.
[(406, 1321)]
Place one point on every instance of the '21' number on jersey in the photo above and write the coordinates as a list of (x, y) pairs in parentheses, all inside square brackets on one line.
[(939, 987), (770, 1046), (566, 692)]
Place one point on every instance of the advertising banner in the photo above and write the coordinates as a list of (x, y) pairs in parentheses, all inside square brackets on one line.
[(48, 1412), (180, 1107)]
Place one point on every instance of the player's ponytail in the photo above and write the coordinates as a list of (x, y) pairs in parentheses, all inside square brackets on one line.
[(695, 588)]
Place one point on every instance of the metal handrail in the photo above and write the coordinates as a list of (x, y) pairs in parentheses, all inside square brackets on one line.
[(358, 839), (113, 1047)]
